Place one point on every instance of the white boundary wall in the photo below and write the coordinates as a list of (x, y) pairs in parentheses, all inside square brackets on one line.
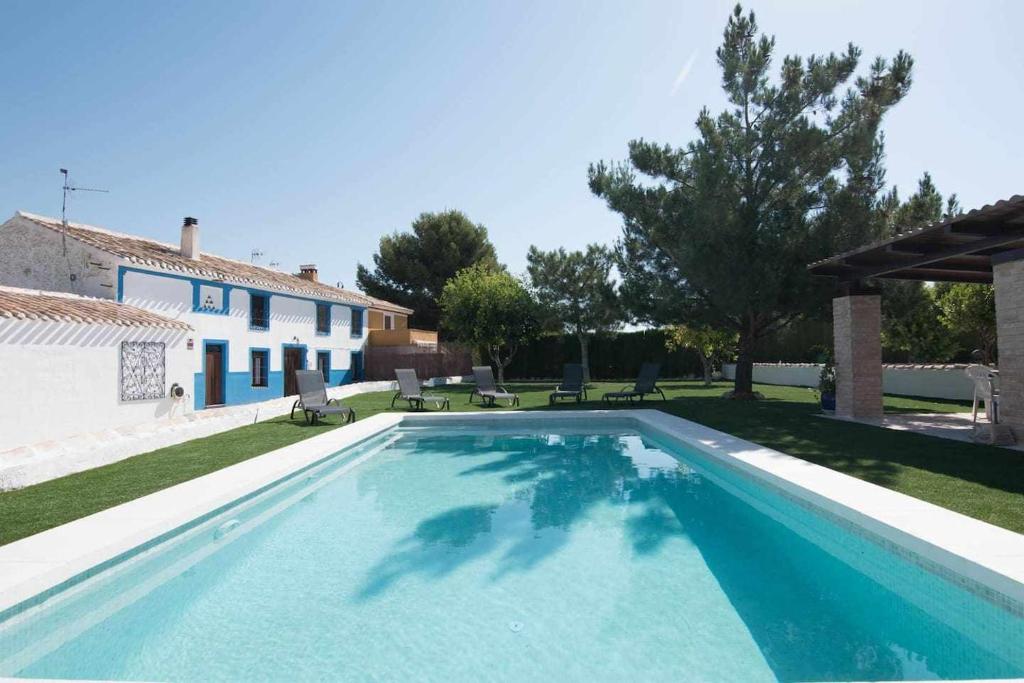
[(928, 381)]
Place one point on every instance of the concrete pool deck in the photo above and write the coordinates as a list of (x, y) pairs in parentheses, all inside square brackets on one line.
[(954, 426), (985, 559)]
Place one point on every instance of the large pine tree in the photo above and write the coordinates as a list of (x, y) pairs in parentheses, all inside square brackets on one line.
[(721, 230)]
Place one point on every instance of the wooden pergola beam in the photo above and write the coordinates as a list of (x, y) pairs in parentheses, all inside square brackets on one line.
[(1017, 235)]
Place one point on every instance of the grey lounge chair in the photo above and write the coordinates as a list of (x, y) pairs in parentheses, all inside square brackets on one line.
[(409, 390), (313, 398), (646, 383), (487, 390), (572, 385)]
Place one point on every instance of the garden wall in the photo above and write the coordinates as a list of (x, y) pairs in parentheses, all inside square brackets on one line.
[(929, 381)]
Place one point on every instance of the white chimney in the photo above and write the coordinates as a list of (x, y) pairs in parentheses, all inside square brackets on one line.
[(190, 238)]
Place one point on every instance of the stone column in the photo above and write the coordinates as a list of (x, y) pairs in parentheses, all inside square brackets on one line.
[(1008, 278), (857, 321)]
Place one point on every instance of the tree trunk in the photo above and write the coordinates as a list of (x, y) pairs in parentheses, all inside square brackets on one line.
[(585, 356), (502, 363), (706, 362), (495, 354), (743, 386)]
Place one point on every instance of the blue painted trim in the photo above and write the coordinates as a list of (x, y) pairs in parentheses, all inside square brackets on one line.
[(355, 365), (200, 377), (362, 324), (327, 352), (266, 353), (305, 360), (225, 300), (266, 297), (316, 319), (121, 270)]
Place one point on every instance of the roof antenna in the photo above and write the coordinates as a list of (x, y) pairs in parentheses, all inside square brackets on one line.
[(68, 187), (256, 256)]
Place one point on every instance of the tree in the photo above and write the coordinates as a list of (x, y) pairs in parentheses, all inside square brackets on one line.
[(724, 228), (910, 323), (489, 308), (713, 346), (910, 311), (575, 293), (969, 310), (411, 269)]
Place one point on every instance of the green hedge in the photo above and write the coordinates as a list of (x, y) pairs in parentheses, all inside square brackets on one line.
[(619, 355), (612, 356)]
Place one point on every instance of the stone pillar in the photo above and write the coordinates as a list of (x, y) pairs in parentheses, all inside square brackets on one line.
[(857, 321), (1008, 278)]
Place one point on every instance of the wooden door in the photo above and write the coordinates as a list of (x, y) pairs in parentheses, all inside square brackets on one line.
[(214, 374), (294, 359), (357, 366)]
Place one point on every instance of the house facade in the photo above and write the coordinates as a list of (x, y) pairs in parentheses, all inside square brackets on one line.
[(251, 326)]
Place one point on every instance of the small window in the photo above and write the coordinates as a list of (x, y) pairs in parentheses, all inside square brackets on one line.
[(357, 322), (259, 312), (260, 363), (389, 321), (323, 319), (323, 364)]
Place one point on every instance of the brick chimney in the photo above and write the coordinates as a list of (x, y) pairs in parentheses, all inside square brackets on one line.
[(308, 272), (190, 238)]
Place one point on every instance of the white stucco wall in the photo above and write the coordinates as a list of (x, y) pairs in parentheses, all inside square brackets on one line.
[(61, 379), (32, 256), (929, 381)]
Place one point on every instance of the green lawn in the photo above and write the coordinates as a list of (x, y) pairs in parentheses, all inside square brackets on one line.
[(981, 481)]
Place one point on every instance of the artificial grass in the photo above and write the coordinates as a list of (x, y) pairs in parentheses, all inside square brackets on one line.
[(981, 481)]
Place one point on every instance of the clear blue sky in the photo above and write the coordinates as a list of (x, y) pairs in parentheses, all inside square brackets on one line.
[(307, 130)]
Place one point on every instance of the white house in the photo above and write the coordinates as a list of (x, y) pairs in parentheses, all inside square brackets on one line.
[(72, 364), (251, 326)]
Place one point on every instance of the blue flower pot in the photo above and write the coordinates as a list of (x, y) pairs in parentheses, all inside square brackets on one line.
[(828, 401)]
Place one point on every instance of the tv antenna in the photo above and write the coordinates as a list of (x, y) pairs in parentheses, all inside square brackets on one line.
[(69, 187), (256, 255)]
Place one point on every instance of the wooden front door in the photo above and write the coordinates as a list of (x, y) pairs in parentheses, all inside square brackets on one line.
[(214, 371), (294, 359), (357, 366)]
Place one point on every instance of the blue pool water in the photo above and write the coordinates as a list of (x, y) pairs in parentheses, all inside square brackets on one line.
[(481, 555)]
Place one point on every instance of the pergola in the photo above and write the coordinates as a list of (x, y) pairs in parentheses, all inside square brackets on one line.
[(984, 246)]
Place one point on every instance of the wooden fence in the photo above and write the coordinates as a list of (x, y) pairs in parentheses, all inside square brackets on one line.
[(443, 361)]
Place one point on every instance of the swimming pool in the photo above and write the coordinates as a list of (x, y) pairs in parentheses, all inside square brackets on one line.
[(573, 549)]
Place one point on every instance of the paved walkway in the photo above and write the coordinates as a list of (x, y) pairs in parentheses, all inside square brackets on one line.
[(47, 460), (956, 426)]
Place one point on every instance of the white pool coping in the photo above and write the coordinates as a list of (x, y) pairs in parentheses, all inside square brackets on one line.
[(980, 552)]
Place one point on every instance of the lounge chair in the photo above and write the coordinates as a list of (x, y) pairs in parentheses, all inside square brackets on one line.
[(487, 390), (313, 398), (646, 383), (572, 385), (409, 390), (986, 389)]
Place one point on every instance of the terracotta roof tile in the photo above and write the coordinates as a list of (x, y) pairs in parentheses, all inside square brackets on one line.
[(31, 304), (147, 252)]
